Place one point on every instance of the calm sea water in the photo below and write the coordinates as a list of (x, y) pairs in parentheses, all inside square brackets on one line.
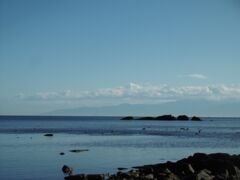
[(26, 154)]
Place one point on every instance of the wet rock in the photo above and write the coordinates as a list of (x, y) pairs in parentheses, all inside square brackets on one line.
[(67, 170), (78, 150), (48, 135), (75, 177), (121, 168)]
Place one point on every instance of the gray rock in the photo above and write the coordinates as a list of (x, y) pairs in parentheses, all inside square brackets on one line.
[(190, 169), (149, 177), (172, 176), (236, 176), (204, 175)]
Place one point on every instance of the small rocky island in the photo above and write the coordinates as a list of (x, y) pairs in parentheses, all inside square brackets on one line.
[(168, 117), (200, 166)]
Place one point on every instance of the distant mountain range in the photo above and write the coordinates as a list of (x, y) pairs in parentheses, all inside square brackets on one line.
[(189, 107)]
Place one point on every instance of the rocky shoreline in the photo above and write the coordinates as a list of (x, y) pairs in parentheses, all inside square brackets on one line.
[(200, 166)]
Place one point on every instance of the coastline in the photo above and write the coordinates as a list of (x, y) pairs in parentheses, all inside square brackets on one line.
[(200, 166), (112, 144)]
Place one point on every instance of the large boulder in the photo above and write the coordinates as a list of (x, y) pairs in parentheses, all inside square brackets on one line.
[(67, 170)]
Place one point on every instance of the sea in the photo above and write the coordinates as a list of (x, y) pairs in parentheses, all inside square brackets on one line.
[(26, 154)]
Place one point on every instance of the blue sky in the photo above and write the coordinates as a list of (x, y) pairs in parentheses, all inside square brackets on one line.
[(66, 54)]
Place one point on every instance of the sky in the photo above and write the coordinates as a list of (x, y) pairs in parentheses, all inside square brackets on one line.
[(57, 54)]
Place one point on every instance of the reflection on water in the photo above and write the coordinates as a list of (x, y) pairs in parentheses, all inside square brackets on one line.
[(112, 143)]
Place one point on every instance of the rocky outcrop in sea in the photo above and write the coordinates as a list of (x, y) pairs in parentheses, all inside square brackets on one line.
[(167, 117)]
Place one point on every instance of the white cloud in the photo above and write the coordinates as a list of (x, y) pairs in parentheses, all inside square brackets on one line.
[(195, 76), (140, 93)]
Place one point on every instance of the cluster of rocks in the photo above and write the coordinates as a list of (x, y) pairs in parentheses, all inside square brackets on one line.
[(200, 166), (165, 118)]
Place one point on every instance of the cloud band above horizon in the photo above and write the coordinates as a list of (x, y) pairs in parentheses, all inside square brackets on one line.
[(139, 93)]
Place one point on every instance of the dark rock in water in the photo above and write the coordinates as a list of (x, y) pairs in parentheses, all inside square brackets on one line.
[(85, 177), (183, 118), (195, 118), (121, 168), (166, 117), (146, 118), (75, 177), (61, 153), (127, 118), (78, 150), (48, 134), (67, 170)]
